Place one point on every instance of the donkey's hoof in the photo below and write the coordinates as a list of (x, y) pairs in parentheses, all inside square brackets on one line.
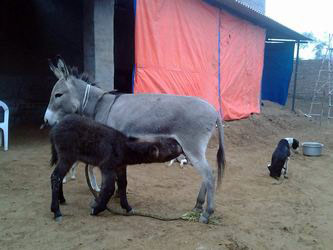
[(197, 209), (203, 219)]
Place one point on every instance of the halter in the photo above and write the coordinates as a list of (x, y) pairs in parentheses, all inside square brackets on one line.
[(85, 98)]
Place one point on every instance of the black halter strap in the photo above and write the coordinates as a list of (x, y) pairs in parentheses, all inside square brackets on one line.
[(111, 105)]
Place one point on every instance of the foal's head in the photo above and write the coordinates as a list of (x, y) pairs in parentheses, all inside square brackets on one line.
[(156, 150)]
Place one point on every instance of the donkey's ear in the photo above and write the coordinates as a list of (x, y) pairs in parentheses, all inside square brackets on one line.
[(55, 70), (62, 67)]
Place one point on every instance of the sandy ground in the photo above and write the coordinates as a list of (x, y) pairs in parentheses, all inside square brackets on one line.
[(256, 213)]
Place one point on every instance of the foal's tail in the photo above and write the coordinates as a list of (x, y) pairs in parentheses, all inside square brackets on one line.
[(54, 156), (220, 153)]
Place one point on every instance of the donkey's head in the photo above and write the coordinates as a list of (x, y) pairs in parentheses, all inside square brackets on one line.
[(66, 95)]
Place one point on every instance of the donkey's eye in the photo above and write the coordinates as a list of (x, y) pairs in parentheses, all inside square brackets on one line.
[(58, 95)]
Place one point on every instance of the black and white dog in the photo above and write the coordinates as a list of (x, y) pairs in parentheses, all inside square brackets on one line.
[(280, 157)]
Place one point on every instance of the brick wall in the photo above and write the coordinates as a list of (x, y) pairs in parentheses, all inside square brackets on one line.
[(306, 78)]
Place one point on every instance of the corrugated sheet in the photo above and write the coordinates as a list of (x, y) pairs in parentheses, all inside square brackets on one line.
[(274, 30)]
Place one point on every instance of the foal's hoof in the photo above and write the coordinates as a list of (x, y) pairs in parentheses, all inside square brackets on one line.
[(96, 208), (203, 219), (58, 219), (96, 211), (130, 212), (93, 212), (58, 216), (62, 201)]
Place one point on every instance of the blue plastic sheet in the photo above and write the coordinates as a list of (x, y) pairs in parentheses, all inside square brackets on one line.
[(278, 67)]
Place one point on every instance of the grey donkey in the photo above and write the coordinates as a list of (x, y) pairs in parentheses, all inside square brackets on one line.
[(146, 115)]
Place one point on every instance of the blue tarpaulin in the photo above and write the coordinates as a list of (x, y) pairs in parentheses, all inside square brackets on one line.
[(278, 67)]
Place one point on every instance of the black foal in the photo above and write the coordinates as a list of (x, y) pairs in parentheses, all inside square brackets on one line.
[(76, 138)]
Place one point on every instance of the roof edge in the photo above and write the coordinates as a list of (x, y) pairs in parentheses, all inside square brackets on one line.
[(274, 30)]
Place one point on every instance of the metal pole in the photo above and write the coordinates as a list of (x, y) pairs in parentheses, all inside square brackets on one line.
[(295, 77)]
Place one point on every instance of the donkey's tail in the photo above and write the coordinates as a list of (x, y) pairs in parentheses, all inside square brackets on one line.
[(54, 156), (220, 153)]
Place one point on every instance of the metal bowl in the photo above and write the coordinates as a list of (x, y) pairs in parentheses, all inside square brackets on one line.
[(312, 148)]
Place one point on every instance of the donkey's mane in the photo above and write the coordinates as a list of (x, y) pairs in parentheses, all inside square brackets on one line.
[(84, 76), (75, 72)]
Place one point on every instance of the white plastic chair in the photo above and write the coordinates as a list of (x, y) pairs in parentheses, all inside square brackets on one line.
[(4, 125)]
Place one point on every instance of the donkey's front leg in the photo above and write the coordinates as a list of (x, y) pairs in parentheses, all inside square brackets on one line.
[(107, 190)]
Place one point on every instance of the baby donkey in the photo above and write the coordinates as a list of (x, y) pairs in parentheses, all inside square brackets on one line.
[(76, 138)]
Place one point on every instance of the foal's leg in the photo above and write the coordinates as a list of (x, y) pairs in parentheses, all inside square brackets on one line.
[(107, 190), (56, 183), (61, 197), (122, 185)]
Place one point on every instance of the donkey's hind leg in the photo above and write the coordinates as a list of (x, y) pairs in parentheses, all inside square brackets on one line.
[(200, 162), (207, 186), (56, 184), (195, 151), (200, 199)]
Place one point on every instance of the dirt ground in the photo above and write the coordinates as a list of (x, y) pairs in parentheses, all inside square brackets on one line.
[(256, 213)]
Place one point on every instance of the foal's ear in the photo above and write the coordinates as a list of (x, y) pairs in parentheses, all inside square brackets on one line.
[(55, 70), (154, 152), (62, 67)]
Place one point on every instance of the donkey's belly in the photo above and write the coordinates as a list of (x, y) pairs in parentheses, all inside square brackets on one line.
[(163, 115)]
